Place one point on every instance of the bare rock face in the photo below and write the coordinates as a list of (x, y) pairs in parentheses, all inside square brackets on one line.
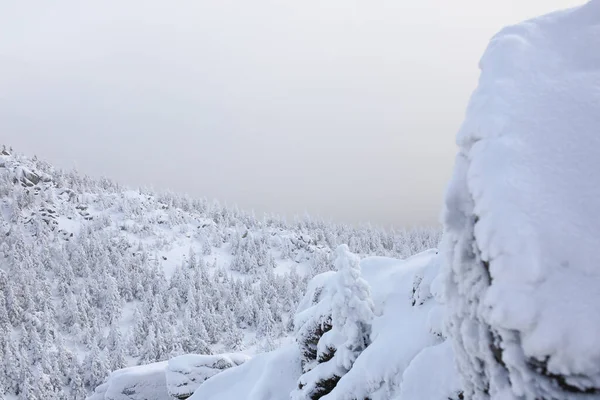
[(26, 177)]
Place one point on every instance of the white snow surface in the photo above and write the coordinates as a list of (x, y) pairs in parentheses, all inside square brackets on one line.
[(400, 332), (525, 190), (180, 376), (146, 382), (268, 376)]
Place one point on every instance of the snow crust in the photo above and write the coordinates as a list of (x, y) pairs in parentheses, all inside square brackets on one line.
[(522, 227)]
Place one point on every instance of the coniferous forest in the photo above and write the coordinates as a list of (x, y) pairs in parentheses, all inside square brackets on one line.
[(95, 277)]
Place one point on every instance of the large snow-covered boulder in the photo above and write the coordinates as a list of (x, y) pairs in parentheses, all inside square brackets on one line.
[(146, 382), (522, 267), (185, 373), (177, 378), (267, 376)]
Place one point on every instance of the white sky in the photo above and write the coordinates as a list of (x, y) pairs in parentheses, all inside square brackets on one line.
[(345, 109)]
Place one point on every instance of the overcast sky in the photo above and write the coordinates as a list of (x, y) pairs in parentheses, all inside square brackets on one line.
[(345, 109)]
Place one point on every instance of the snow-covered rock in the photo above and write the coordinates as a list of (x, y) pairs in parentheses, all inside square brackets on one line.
[(185, 373), (522, 227), (177, 378), (128, 277), (267, 376), (146, 382), (403, 342)]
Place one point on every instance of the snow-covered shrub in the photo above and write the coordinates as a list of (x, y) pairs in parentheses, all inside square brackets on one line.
[(331, 343), (313, 319)]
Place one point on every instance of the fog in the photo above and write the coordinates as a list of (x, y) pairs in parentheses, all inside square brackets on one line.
[(343, 109)]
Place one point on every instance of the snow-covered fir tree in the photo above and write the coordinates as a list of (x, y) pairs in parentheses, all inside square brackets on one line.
[(336, 340)]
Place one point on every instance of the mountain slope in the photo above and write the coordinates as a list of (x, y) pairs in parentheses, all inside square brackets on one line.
[(94, 277)]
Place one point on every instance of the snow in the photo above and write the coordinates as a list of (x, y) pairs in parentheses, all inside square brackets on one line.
[(314, 291), (406, 347), (521, 216), (146, 382), (177, 378), (508, 310), (268, 376), (400, 333), (432, 374), (184, 374), (126, 277)]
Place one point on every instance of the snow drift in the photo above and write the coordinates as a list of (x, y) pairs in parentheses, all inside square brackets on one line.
[(522, 227)]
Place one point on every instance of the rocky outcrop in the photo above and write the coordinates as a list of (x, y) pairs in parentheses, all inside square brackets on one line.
[(177, 378), (521, 223)]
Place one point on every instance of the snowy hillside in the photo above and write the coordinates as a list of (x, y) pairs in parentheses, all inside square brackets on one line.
[(94, 277), (521, 248), (219, 303)]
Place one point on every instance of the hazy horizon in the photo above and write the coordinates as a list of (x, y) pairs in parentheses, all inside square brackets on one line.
[(346, 110)]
